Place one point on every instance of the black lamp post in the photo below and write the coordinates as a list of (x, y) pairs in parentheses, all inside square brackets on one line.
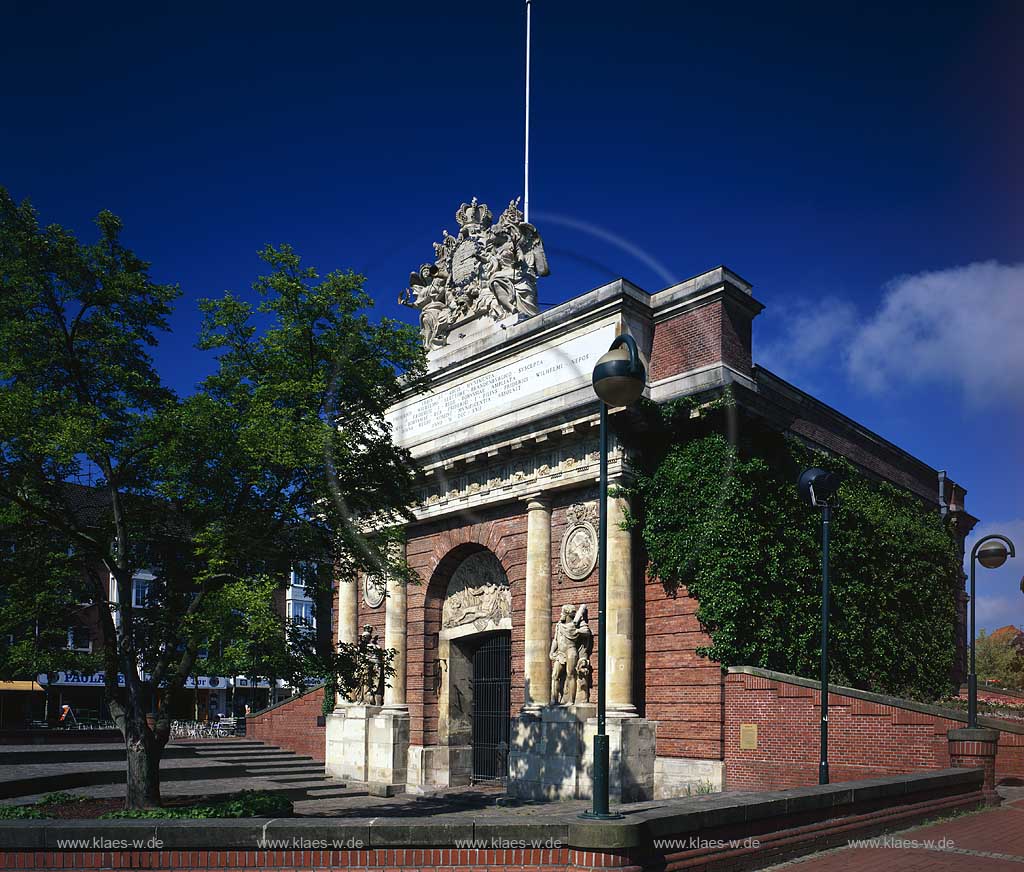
[(619, 380), (991, 552), (816, 488)]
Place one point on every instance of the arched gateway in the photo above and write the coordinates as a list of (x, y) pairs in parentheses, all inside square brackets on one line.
[(475, 670)]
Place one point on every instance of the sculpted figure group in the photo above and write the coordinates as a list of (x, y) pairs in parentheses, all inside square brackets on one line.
[(571, 645), (487, 271)]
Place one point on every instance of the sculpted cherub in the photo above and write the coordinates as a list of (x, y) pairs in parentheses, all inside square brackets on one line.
[(426, 292)]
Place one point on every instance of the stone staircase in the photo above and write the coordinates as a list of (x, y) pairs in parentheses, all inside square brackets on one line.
[(208, 768)]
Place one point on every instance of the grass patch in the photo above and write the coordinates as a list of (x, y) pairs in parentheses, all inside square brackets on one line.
[(60, 797), (20, 812)]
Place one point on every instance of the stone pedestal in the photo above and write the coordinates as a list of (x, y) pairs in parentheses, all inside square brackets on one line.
[(348, 741), (547, 756), (438, 766), (388, 751), (976, 749), (631, 755)]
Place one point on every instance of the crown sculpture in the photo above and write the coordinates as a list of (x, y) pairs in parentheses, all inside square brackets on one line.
[(489, 271)]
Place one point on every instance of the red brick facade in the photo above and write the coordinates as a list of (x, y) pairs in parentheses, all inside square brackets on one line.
[(687, 341), (866, 739), (683, 690), (292, 725)]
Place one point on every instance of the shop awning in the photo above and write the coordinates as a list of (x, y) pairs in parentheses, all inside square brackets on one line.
[(20, 685)]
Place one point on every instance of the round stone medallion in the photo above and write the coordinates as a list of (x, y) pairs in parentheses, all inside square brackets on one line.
[(579, 550), (373, 591)]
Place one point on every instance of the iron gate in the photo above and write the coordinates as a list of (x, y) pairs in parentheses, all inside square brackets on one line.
[(492, 671)]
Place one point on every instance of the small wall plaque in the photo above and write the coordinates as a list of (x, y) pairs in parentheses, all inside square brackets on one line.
[(748, 737)]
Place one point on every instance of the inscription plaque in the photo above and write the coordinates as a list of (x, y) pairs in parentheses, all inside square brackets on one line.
[(503, 389), (748, 737)]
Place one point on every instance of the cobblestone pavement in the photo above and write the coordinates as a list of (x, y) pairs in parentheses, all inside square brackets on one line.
[(984, 841)]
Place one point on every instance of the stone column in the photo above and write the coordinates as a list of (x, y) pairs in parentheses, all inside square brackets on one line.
[(395, 638), (619, 629), (537, 690), (388, 765), (348, 613), (348, 728)]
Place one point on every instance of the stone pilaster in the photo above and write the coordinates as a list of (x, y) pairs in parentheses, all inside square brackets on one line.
[(537, 689), (619, 628)]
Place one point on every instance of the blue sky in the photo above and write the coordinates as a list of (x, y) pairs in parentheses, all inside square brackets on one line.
[(858, 163)]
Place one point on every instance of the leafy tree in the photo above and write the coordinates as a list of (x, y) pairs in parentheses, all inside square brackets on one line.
[(279, 457), (724, 524), (999, 657), (38, 573)]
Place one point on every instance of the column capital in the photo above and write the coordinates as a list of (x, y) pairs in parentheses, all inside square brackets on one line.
[(537, 501)]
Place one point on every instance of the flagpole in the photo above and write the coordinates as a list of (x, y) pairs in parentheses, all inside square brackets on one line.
[(526, 151)]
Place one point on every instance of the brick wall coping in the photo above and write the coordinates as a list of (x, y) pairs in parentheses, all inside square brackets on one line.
[(311, 689), (880, 698), (995, 688), (643, 821)]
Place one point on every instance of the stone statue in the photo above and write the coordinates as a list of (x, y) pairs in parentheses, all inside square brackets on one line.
[(369, 689), (489, 271), (571, 645)]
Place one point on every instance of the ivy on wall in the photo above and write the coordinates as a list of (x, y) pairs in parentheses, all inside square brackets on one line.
[(723, 523)]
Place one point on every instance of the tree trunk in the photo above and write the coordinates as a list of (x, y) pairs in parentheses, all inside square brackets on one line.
[(144, 752)]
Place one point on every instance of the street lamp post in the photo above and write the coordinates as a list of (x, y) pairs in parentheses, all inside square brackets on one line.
[(619, 380), (991, 552), (816, 488)]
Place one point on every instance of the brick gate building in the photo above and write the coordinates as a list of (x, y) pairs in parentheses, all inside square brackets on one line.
[(494, 652)]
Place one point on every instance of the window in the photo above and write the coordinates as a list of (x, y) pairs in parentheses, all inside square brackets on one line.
[(79, 639), (303, 579), (302, 612), (144, 591)]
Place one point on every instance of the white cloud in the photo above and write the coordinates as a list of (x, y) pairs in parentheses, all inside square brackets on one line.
[(1000, 601), (810, 335), (962, 326)]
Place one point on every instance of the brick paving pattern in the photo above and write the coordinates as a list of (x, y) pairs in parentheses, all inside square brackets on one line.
[(985, 841)]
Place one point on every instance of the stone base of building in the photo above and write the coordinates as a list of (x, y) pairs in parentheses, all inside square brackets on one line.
[(553, 750), (547, 754), (682, 776), (435, 766), (631, 757), (388, 748), (348, 741)]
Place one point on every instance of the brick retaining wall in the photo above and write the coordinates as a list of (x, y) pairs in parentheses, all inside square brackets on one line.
[(715, 833), (869, 735), (292, 725)]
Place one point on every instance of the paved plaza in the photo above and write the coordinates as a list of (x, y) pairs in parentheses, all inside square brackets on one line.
[(986, 841)]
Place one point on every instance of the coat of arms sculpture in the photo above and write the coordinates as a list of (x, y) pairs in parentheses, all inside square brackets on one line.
[(489, 271)]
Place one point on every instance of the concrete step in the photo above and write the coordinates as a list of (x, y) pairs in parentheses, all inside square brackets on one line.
[(272, 771), (253, 758), (295, 775), (100, 753), (297, 778), (222, 744), (46, 777)]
